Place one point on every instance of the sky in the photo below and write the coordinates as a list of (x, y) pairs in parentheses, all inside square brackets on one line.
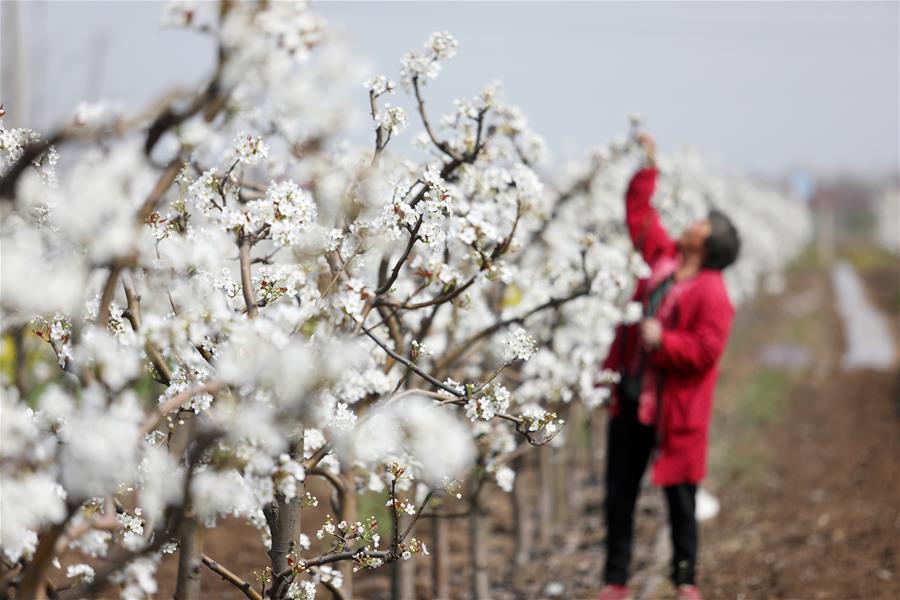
[(766, 87)]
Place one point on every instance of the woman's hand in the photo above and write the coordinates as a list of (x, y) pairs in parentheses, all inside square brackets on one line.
[(651, 333), (649, 146)]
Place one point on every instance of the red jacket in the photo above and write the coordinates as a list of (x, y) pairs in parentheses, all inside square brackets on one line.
[(696, 323)]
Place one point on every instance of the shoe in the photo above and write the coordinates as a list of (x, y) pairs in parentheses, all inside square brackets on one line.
[(612, 591), (689, 592)]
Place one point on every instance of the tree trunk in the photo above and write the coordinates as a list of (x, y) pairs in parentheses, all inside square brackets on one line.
[(187, 585), (524, 524), (595, 444), (403, 580), (349, 513), (21, 364), (33, 584), (545, 498), (480, 578), (440, 553), (283, 519), (574, 467), (559, 461)]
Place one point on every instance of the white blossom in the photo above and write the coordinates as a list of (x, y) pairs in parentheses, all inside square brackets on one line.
[(505, 478), (380, 85), (440, 46), (392, 119), (301, 590), (518, 345), (249, 149), (81, 571), (287, 209), (494, 400), (178, 13), (94, 542), (343, 419), (327, 574)]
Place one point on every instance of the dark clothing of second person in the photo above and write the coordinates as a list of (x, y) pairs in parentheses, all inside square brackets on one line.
[(629, 446)]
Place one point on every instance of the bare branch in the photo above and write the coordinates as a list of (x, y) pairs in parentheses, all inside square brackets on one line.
[(395, 272), (333, 479), (395, 518), (434, 301), (175, 402), (418, 514), (133, 314), (245, 243), (418, 371), (231, 578), (326, 559), (420, 104), (109, 289), (462, 347), (317, 456), (380, 142)]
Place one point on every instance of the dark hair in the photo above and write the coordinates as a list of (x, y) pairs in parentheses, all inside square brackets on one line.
[(722, 246)]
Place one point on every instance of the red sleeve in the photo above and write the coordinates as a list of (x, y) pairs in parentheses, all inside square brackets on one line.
[(647, 233), (697, 347)]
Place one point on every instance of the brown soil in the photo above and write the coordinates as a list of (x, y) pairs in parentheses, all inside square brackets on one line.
[(820, 515), (824, 522)]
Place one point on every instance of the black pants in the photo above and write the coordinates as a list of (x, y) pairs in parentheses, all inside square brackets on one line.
[(629, 445)]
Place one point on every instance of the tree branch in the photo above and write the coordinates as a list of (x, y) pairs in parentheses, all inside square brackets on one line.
[(175, 402), (109, 289), (418, 371), (454, 354), (420, 105), (395, 272), (434, 301), (331, 478), (133, 314), (245, 244), (161, 535), (326, 559), (231, 578), (416, 516)]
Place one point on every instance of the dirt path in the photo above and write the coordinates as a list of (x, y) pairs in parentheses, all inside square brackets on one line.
[(810, 496), (868, 341)]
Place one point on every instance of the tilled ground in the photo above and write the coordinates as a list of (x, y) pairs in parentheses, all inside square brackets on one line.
[(819, 515), (824, 521)]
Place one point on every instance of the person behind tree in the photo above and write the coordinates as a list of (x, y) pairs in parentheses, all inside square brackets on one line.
[(668, 365)]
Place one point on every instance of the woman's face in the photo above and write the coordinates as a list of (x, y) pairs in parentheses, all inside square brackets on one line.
[(693, 238)]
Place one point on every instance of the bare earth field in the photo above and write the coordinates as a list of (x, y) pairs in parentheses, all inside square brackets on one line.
[(820, 515)]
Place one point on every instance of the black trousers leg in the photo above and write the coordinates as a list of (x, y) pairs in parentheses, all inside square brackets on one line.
[(629, 444), (683, 522)]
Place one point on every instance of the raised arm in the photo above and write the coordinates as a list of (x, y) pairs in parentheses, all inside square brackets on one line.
[(647, 233)]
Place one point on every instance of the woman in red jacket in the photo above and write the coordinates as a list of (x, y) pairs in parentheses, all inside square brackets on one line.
[(668, 365)]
